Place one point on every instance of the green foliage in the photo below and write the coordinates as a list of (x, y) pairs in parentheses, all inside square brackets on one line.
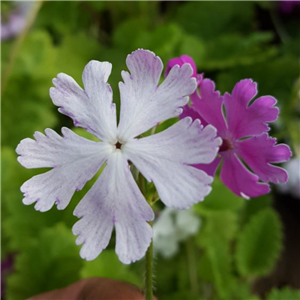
[(26, 100), (284, 294), (237, 50), (219, 229), (36, 272), (72, 62), (225, 17), (254, 206), (281, 84), (259, 244), (220, 199), (68, 18)]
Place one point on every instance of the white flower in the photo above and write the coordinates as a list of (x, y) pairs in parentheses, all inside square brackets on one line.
[(115, 201), (172, 227), (293, 184)]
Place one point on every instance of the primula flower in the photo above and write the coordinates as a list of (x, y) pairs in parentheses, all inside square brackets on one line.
[(115, 201), (171, 227), (242, 123)]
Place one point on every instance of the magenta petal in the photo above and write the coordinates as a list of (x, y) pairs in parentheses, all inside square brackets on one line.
[(188, 111), (239, 180), (244, 120), (258, 152), (209, 169), (209, 105), (245, 90), (183, 59)]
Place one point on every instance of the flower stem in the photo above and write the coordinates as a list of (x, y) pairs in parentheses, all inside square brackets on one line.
[(149, 271), (192, 266), (149, 254)]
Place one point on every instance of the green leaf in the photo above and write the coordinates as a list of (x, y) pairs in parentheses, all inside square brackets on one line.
[(219, 228), (125, 36), (259, 244), (220, 259), (224, 225), (164, 41), (35, 58), (60, 17), (209, 19), (108, 265), (237, 50), (51, 260), (270, 81), (73, 62), (285, 293), (254, 206), (220, 198)]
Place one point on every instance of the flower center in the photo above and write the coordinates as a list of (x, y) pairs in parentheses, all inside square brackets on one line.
[(226, 145), (118, 145)]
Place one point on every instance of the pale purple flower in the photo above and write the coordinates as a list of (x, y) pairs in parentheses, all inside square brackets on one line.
[(115, 201), (247, 151), (16, 20)]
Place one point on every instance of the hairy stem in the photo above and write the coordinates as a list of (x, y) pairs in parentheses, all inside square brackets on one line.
[(149, 254), (149, 272)]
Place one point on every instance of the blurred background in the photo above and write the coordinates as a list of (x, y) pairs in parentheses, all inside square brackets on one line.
[(226, 247)]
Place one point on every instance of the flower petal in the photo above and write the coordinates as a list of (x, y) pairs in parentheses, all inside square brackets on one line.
[(181, 60), (114, 200), (259, 152), (74, 160), (239, 180), (91, 108), (143, 102), (188, 111), (210, 169), (244, 120), (209, 105), (164, 158)]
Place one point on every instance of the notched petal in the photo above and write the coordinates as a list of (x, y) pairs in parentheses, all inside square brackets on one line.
[(144, 103), (114, 202), (91, 108), (165, 159), (74, 160), (260, 152)]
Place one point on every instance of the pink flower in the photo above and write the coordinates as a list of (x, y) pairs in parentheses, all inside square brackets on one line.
[(183, 59), (247, 151)]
